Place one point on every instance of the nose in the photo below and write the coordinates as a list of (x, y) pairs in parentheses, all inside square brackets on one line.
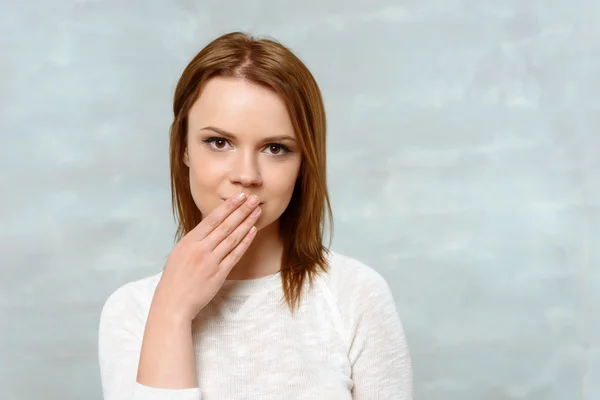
[(245, 170)]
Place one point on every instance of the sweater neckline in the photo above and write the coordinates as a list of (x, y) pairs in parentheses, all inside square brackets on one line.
[(233, 287)]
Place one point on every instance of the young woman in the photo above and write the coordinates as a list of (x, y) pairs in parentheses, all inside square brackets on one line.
[(250, 303)]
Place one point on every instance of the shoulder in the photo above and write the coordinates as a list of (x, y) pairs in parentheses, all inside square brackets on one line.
[(130, 303), (349, 274), (354, 285), (370, 329)]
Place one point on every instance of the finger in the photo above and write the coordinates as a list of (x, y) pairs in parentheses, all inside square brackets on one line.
[(216, 217), (231, 223), (229, 243), (236, 254)]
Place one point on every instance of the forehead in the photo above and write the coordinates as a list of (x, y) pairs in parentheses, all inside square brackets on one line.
[(237, 105)]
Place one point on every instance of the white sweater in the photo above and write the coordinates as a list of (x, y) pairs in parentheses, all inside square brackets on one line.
[(346, 341)]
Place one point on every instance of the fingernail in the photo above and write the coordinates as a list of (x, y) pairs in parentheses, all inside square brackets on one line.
[(239, 198), (256, 211)]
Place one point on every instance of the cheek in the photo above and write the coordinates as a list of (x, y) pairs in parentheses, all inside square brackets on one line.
[(282, 179), (204, 168), (205, 176), (279, 184)]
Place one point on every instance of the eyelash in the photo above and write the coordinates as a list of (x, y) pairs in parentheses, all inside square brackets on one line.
[(213, 139)]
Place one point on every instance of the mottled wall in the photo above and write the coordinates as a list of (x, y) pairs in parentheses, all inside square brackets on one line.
[(464, 146)]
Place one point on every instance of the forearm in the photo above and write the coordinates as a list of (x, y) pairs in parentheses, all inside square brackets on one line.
[(167, 358)]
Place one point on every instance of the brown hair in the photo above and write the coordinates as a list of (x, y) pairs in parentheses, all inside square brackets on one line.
[(268, 63)]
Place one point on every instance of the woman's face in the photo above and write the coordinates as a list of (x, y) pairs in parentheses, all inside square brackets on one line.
[(241, 138)]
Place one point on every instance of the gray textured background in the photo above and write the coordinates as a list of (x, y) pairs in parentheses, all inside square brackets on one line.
[(464, 146)]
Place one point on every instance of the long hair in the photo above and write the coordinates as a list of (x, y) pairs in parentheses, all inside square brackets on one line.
[(272, 65)]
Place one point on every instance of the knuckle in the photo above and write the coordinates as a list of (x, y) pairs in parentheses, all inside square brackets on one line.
[(231, 240), (225, 228), (233, 258), (212, 222), (200, 255), (235, 254), (202, 248), (209, 261), (246, 208)]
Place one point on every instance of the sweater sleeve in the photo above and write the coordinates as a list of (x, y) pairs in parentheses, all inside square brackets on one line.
[(378, 353), (120, 337)]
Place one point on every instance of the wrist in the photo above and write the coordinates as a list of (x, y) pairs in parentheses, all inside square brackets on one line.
[(167, 315)]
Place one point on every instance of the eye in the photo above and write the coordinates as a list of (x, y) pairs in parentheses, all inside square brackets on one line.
[(216, 143), (220, 143), (278, 149)]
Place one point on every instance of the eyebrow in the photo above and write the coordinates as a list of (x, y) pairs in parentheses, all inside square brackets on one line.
[(231, 136)]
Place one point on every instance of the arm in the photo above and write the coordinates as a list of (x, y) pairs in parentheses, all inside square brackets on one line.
[(166, 370), (167, 355), (154, 360), (379, 354)]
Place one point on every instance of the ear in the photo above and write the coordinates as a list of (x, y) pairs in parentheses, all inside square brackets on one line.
[(186, 159)]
